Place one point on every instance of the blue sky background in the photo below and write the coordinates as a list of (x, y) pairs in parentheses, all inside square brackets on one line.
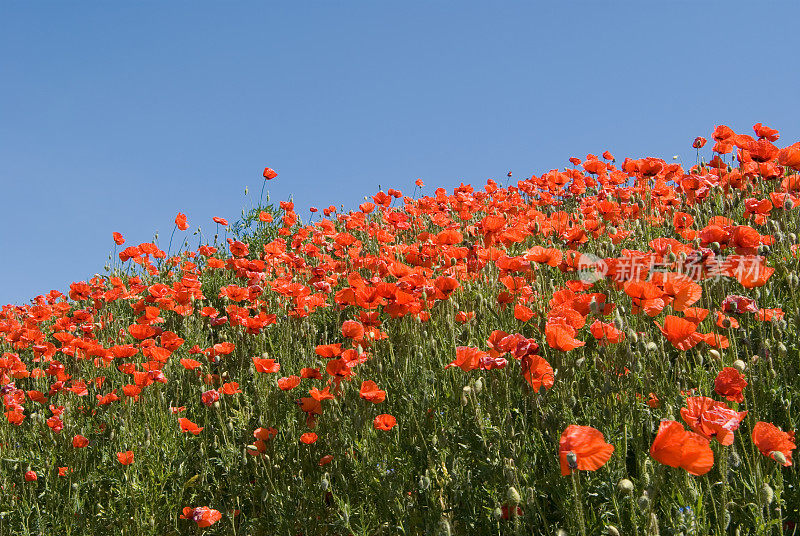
[(116, 116)]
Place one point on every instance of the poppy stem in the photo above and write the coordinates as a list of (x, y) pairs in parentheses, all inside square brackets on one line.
[(578, 501), (261, 197), (169, 248)]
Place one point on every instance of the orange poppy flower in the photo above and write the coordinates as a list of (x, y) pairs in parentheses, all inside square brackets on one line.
[(384, 422), (188, 426), (588, 446), (730, 383), (180, 221), (770, 439), (287, 384), (467, 358), (308, 438), (79, 441), (537, 372), (370, 391), (680, 332), (125, 458), (202, 515), (269, 173), (561, 336), (712, 419), (677, 447)]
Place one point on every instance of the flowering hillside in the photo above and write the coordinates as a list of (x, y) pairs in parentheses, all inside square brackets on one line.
[(603, 349)]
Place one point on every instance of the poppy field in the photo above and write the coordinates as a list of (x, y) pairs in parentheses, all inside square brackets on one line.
[(607, 348)]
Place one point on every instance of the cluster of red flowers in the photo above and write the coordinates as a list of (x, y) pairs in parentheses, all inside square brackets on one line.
[(399, 257)]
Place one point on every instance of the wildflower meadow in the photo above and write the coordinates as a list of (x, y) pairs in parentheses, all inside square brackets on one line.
[(609, 348)]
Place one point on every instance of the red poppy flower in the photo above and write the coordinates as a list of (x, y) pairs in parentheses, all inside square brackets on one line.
[(188, 426), (537, 372), (699, 142), (269, 173), (287, 384), (371, 392), (730, 383), (677, 447), (180, 221), (680, 332), (467, 358), (384, 422), (561, 336), (125, 458), (770, 439), (230, 388), (588, 446), (209, 397), (308, 438), (79, 441), (265, 434), (202, 515), (712, 419), (325, 460), (31, 476), (118, 239), (267, 366), (221, 221)]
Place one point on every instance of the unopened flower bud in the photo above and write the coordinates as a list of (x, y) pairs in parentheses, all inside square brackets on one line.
[(740, 365), (513, 496), (767, 495), (625, 486), (478, 386), (778, 456)]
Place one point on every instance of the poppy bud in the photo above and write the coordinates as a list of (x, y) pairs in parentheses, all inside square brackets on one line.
[(625, 486), (497, 513), (478, 386), (651, 347), (740, 365), (643, 502), (424, 483), (778, 457), (653, 528), (734, 460), (612, 530), (766, 494), (513, 495)]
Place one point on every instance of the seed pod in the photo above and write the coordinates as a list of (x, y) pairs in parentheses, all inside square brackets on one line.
[(572, 460), (643, 502)]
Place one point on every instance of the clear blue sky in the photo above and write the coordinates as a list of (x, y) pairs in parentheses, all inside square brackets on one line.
[(115, 116)]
